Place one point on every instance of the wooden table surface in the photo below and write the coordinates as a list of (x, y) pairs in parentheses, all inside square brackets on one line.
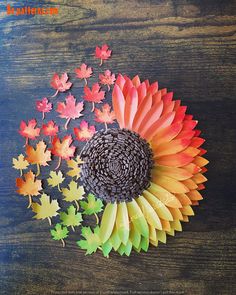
[(189, 47)]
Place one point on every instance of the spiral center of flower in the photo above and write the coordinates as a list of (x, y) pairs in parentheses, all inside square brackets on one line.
[(117, 165)]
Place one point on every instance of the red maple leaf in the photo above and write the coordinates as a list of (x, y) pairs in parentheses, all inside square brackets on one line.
[(105, 116), (84, 72), (29, 131), (62, 149), (60, 84), (102, 53), (43, 106), (70, 110), (85, 132), (94, 94), (107, 79), (50, 129)]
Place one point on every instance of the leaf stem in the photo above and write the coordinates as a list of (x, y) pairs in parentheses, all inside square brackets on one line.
[(30, 201), (105, 126), (77, 204), (21, 173), (38, 169), (72, 227), (100, 63), (93, 107), (49, 220), (85, 80), (63, 242), (59, 188), (67, 122), (55, 94), (43, 116), (59, 163), (26, 141), (97, 219)]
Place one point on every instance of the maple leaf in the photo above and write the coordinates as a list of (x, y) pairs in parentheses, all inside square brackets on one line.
[(84, 72), (43, 106), (39, 156), (92, 206), (20, 163), (29, 131), (74, 166), (105, 116), (73, 193), (85, 132), (55, 179), (60, 84), (29, 186), (107, 79), (70, 110), (71, 218), (102, 53), (59, 233), (94, 95), (50, 129), (91, 242), (45, 209), (62, 149)]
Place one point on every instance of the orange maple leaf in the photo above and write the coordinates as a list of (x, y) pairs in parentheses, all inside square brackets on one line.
[(102, 53), (105, 116), (62, 149), (29, 131), (39, 155), (28, 186), (94, 94), (84, 72), (70, 110), (60, 84), (85, 132)]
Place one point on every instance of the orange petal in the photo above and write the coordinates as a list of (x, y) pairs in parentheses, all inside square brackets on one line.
[(176, 213), (194, 195), (184, 199), (164, 196), (152, 116), (166, 134), (200, 161), (185, 134), (136, 81), (191, 151), (142, 91), (199, 178), (118, 102), (170, 184), (163, 122), (143, 108), (131, 105), (192, 168), (197, 142), (173, 172), (190, 184), (177, 160), (165, 225), (171, 147), (179, 114)]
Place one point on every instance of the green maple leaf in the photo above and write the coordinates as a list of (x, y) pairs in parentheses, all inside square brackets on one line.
[(59, 233), (92, 241), (71, 218), (91, 205)]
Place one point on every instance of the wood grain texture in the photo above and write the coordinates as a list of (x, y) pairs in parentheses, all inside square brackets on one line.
[(189, 47)]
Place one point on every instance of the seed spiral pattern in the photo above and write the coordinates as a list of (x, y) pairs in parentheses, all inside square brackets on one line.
[(117, 165)]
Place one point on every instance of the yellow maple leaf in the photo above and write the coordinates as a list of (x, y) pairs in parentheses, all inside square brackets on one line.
[(20, 163), (73, 193), (74, 166), (46, 209), (55, 179), (28, 186), (39, 156)]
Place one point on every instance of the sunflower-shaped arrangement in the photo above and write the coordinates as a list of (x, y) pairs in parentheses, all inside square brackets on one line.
[(139, 178)]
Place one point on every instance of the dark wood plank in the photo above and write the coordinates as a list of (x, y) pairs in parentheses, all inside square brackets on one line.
[(189, 47)]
